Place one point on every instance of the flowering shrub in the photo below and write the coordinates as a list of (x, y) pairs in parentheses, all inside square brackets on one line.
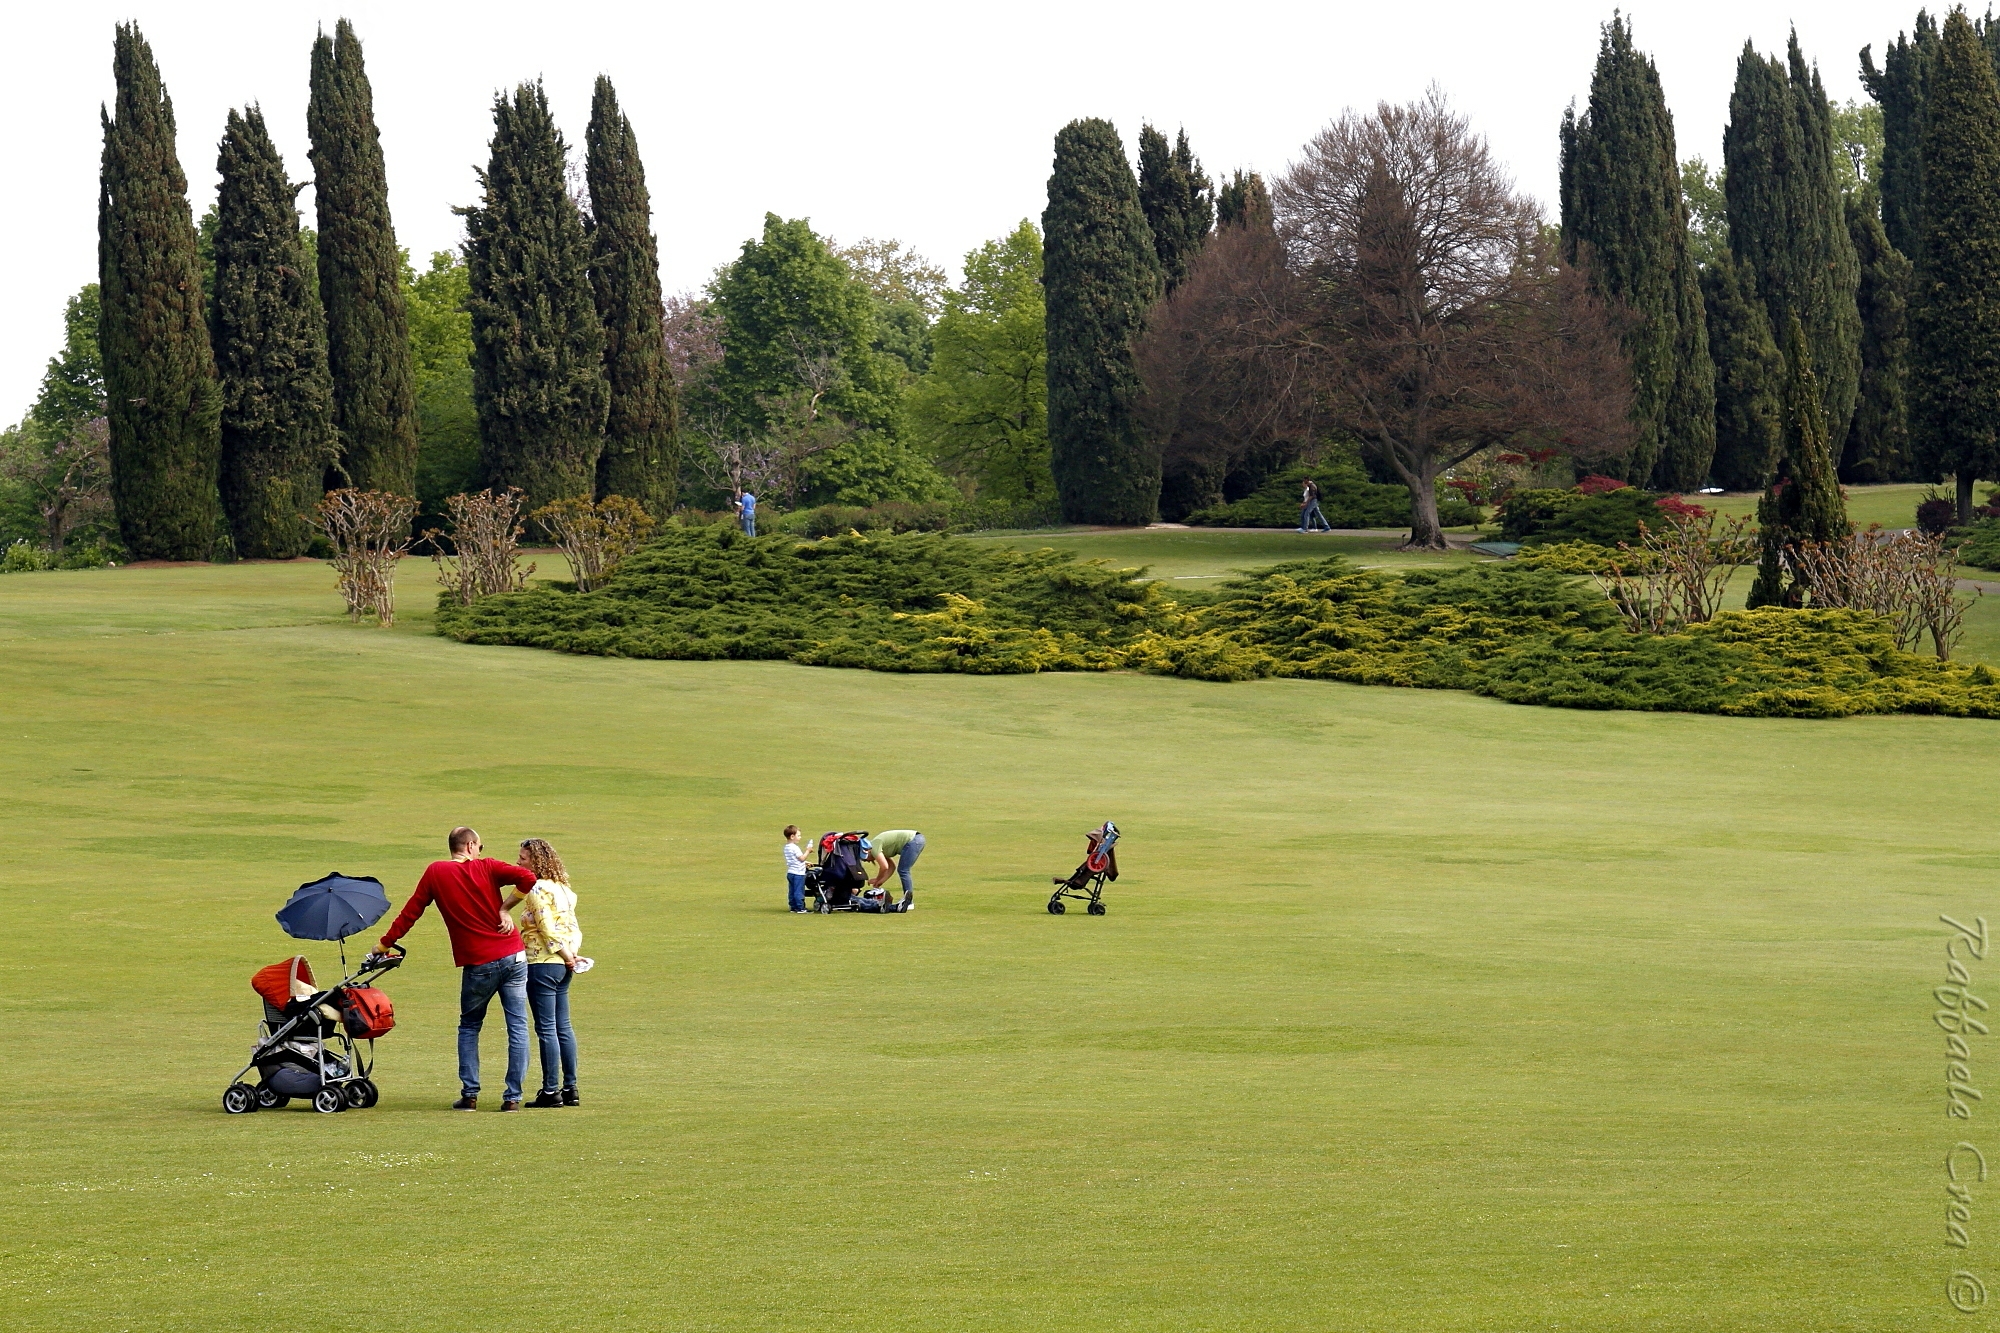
[(1936, 514), (1596, 485)]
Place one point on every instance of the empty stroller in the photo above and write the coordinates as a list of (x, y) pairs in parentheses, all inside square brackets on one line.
[(307, 1044), (1100, 862), (838, 879)]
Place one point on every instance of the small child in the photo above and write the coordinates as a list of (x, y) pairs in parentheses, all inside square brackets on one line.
[(795, 868)]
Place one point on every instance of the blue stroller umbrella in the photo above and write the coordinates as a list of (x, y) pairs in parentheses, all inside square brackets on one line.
[(334, 908)]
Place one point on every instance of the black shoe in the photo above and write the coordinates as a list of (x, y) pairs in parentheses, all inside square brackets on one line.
[(510, 1106), (545, 1099), (469, 1102), (569, 1097)]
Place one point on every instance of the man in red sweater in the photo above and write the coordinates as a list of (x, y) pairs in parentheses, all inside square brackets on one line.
[(486, 945)]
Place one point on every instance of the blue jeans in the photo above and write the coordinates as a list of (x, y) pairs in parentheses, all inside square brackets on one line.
[(906, 860), (750, 524), (548, 996), (795, 891), (477, 985), (1312, 512)]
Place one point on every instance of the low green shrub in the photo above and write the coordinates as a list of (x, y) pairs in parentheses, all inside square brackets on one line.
[(931, 602), (1573, 557), (1347, 498), (1982, 547), (24, 557), (1538, 517), (914, 516)]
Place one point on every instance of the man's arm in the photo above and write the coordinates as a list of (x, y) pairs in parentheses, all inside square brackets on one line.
[(411, 911)]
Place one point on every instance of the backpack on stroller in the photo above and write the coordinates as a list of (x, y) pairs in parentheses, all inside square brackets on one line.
[(307, 1044), (838, 879), (1100, 862)]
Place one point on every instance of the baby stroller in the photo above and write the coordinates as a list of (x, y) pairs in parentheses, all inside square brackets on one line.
[(838, 881), (1100, 862), (307, 1045)]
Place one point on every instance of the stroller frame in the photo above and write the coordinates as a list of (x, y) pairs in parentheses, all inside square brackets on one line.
[(1086, 882), (823, 895), (337, 1090)]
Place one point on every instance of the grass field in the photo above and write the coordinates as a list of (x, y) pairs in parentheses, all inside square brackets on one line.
[(1413, 1011), (1893, 506)]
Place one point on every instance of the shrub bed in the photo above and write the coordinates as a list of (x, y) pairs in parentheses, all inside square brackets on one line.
[(1346, 497)]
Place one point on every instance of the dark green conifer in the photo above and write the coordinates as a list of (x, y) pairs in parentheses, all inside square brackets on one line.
[(641, 458), (1900, 88), (1101, 275), (1177, 200), (1624, 221), (1954, 384), (270, 350), (1878, 443), (1749, 379), (537, 345), (1805, 504), (1787, 222), (1241, 198), (360, 274), (159, 376)]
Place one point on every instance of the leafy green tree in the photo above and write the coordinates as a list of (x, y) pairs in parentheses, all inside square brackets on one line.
[(1178, 200), (158, 371), (1749, 379), (1101, 274), (538, 346), (270, 350), (367, 328), (72, 389), (1805, 505), (1857, 140), (55, 475), (1955, 300), (1624, 223), (981, 411), (1878, 441), (441, 360), (1707, 212), (1242, 198), (1787, 224), (642, 457), (908, 291)]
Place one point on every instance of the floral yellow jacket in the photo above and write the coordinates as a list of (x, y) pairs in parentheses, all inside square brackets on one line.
[(548, 922)]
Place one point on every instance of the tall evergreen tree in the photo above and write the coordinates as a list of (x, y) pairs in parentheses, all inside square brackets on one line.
[(1805, 504), (537, 344), (1900, 88), (1955, 299), (1749, 379), (270, 350), (1177, 199), (1101, 274), (1878, 443), (1624, 221), (360, 271), (1787, 223), (159, 375), (641, 458), (1242, 198)]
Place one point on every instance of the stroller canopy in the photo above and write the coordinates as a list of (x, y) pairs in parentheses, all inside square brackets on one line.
[(281, 983)]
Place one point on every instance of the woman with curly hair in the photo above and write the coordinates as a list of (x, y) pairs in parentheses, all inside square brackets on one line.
[(551, 937)]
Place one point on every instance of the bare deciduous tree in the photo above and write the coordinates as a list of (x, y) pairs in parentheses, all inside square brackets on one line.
[(1908, 578), (486, 535), (370, 533), (595, 537), (1678, 574), (1438, 318)]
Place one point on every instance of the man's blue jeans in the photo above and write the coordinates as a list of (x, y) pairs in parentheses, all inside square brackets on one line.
[(749, 522), (477, 985)]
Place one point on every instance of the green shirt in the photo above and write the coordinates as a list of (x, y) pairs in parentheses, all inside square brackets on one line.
[(892, 843)]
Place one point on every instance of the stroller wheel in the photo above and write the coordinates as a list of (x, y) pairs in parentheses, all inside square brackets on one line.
[(270, 1099), (328, 1100), (1056, 907), (1095, 909), (239, 1099), (362, 1094)]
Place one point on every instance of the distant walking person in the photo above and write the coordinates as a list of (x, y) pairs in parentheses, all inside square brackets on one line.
[(746, 513), (551, 936), (901, 846), (795, 869), (1309, 510), (488, 950)]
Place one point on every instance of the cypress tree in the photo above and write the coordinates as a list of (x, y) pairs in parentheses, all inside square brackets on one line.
[(1878, 443), (1176, 198), (1954, 382), (1899, 88), (1242, 198), (1101, 274), (1787, 221), (1805, 504), (537, 345), (159, 375), (360, 274), (270, 350), (1625, 222), (641, 458), (1749, 379)]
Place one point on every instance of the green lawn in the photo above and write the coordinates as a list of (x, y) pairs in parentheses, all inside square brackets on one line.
[(1413, 1011), (1893, 506)]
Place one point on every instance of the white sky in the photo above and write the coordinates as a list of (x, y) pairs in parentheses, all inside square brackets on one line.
[(931, 123)]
